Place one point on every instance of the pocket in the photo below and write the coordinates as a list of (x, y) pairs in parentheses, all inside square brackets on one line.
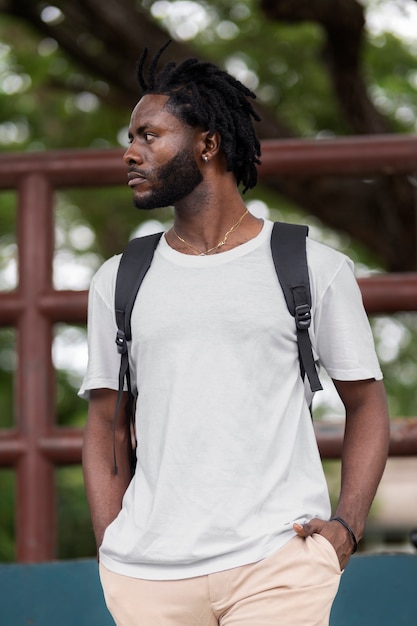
[(325, 544)]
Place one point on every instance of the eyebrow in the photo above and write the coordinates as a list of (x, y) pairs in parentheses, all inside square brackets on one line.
[(142, 128), (139, 130)]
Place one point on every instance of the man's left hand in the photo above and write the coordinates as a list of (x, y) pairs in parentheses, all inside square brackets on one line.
[(334, 532)]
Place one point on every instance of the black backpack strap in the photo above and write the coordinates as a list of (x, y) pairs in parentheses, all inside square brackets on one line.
[(135, 262), (288, 245)]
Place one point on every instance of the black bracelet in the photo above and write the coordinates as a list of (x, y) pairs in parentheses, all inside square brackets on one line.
[(335, 518)]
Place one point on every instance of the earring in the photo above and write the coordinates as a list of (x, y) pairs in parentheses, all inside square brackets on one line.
[(206, 159)]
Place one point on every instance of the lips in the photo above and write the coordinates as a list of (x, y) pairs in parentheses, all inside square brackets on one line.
[(135, 178)]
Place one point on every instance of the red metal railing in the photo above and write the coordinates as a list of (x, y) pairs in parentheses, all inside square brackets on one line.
[(35, 446)]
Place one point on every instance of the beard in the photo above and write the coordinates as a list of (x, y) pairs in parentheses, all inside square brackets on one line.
[(171, 182)]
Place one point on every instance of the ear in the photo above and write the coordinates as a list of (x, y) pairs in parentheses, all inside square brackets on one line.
[(209, 145)]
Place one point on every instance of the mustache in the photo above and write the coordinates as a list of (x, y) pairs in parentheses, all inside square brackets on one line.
[(137, 172)]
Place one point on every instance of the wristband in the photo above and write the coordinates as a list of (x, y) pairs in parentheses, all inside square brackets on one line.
[(336, 518)]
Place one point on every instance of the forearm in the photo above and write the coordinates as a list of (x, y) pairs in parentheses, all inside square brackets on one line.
[(364, 455), (365, 449), (104, 488)]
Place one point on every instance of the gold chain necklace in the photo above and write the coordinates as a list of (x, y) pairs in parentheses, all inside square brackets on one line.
[(219, 245)]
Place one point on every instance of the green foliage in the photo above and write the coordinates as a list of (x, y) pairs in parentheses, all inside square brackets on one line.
[(8, 218), (75, 534), (7, 515), (396, 338), (286, 69), (7, 366), (44, 97), (390, 71)]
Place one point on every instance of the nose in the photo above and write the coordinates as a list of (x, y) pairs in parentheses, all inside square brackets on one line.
[(132, 155)]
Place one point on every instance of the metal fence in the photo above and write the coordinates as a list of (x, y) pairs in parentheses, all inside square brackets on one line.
[(35, 446)]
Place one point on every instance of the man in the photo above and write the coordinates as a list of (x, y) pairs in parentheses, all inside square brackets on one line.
[(227, 518)]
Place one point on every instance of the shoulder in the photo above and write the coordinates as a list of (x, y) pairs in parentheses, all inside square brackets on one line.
[(328, 268), (324, 259), (320, 254)]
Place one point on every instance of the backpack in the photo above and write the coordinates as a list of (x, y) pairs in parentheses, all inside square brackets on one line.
[(288, 247)]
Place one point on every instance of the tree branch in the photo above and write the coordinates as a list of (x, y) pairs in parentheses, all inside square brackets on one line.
[(343, 22), (106, 38)]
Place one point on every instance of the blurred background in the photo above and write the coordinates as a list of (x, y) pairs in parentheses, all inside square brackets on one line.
[(323, 69)]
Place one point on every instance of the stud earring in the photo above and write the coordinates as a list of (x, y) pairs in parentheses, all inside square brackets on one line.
[(206, 159)]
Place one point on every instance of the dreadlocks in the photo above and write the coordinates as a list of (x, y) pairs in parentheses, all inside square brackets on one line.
[(203, 95)]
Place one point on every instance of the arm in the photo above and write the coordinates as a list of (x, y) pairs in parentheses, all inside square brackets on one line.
[(104, 488), (365, 450)]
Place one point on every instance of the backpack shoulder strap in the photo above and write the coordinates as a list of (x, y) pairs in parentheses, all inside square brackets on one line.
[(288, 245), (134, 264)]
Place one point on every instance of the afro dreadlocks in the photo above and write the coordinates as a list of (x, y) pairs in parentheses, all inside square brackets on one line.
[(203, 95)]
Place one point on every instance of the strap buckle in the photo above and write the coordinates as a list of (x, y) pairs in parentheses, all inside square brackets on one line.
[(302, 316), (121, 342)]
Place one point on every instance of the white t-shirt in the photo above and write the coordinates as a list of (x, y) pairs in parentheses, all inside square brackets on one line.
[(227, 456)]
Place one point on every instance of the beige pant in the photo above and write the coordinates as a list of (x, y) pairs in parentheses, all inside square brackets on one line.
[(294, 587)]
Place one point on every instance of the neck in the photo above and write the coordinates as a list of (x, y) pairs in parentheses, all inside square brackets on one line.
[(203, 218), (221, 243), (212, 230)]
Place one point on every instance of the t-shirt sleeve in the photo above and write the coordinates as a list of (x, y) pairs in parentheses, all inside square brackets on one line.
[(343, 337), (103, 358)]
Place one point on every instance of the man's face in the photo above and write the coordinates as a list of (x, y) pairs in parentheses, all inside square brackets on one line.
[(161, 160)]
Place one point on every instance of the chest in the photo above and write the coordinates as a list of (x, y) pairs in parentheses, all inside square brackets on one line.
[(222, 303)]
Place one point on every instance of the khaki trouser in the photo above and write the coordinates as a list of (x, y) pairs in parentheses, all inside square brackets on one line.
[(295, 586)]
